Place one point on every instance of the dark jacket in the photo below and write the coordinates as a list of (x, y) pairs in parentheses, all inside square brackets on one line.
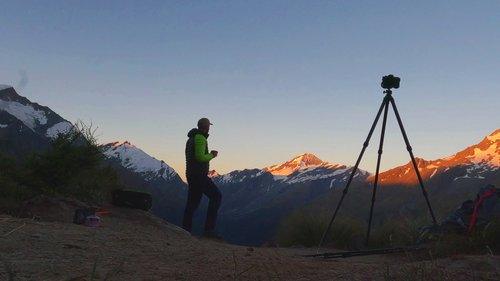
[(197, 155)]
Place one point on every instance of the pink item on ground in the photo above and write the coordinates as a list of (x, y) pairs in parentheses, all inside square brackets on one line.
[(92, 221)]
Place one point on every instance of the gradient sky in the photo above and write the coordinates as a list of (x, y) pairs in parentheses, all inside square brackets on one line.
[(278, 78)]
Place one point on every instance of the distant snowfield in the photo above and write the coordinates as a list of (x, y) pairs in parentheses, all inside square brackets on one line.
[(59, 128), (303, 168), (494, 136), (137, 160), (300, 162), (3, 126), (304, 177), (489, 155), (25, 113)]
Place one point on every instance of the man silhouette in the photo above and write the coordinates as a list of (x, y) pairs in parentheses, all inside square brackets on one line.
[(197, 167)]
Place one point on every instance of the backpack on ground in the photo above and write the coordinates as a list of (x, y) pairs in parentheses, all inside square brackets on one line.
[(486, 208), (472, 215)]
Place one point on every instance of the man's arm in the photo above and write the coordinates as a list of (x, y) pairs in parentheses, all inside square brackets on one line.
[(200, 143)]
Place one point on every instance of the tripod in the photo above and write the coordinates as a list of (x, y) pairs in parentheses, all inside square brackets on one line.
[(388, 101)]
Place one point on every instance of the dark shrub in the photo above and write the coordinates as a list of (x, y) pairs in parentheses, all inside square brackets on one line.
[(72, 167), (305, 229)]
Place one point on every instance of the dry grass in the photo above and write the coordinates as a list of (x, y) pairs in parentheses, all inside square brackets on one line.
[(132, 245)]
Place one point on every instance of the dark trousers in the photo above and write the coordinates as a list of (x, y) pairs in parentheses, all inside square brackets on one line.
[(197, 187)]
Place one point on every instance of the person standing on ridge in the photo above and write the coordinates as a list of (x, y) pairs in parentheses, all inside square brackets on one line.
[(197, 167)]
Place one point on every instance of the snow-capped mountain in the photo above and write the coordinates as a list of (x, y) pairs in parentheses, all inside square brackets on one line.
[(143, 172), (302, 168), (26, 126), (40, 119), (301, 162), (213, 174), (136, 160), (478, 161), (255, 200), (308, 167)]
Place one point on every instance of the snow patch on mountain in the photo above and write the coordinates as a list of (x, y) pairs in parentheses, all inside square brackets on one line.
[(303, 177), (477, 171), (3, 126), (227, 178), (25, 113), (279, 177), (239, 175), (213, 174), (301, 162), (59, 128), (433, 173), (478, 161), (495, 136), (139, 161), (303, 168), (489, 155)]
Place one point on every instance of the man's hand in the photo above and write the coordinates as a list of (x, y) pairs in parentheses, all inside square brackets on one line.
[(214, 153)]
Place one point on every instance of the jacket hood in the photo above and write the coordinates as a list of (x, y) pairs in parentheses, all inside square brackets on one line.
[(195, 131)]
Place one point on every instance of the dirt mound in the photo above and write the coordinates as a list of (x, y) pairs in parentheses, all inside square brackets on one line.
[(46, 208), (134, 245), (60, 209)]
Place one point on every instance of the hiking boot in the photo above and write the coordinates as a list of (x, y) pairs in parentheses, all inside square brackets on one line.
[(212, 235)]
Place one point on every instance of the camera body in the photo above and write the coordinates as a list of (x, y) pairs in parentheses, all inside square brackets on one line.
[(390, 82)]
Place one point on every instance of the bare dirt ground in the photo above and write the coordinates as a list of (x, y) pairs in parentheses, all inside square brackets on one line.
[(133, 245)]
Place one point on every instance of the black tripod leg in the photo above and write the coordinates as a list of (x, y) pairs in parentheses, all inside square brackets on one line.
[(415, 166), (353, 172), (375, 183)]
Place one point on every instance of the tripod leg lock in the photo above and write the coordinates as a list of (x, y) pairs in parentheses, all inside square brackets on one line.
[(380, 151), (365, 144), (409, 148)]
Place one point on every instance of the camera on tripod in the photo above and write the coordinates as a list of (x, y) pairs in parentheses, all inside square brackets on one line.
[(390, 82)]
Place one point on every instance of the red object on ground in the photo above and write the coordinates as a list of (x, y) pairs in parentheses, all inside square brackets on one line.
[(477, 204), (102, 212)]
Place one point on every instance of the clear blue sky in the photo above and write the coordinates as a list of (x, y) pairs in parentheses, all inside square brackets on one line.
[(277, 78)]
